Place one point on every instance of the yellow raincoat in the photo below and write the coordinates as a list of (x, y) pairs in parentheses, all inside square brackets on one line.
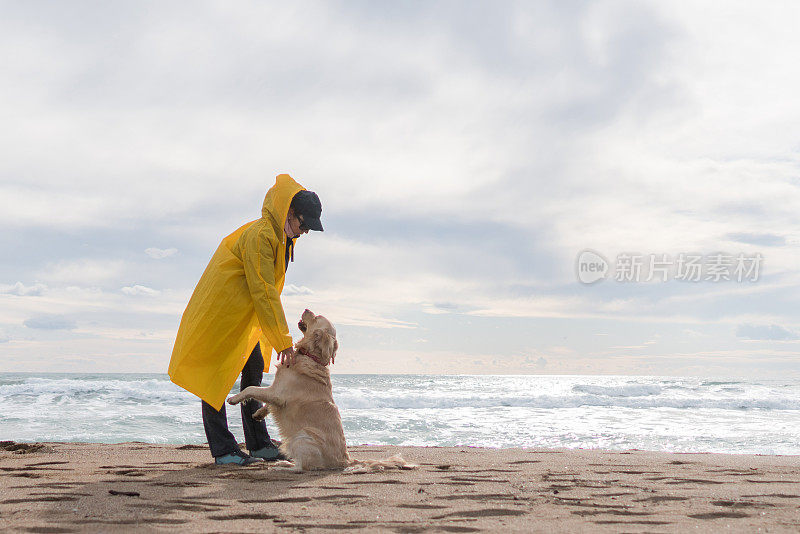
[(236, 303)]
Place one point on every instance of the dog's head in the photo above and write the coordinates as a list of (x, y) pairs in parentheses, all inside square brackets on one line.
[(319, 337)]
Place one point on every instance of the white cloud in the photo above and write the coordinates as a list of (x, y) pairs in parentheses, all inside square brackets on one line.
[(128, 334), (135, 290), (85, 272), (770, 332), (107, 307), (291, 290), (343, 309), (22, 290), (50, 322), (160, 253), (25, 206)]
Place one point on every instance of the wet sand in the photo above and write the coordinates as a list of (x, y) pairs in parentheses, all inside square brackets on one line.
[(138, 487)]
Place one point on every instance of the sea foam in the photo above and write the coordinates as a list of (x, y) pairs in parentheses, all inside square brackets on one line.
[(673, 414)]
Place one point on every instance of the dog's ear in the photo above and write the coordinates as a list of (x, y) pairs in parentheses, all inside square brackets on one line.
[(325, 344), (335, 348)]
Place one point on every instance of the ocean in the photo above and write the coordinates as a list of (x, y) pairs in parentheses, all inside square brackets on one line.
[(590, 412)]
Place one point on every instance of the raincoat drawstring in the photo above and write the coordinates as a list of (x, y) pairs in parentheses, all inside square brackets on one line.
[(289, 252)]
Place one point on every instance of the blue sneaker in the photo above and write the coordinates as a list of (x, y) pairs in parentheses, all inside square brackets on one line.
[(269, 454), (238, 458)]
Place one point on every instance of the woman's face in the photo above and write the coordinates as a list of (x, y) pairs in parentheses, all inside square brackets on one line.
[(294, 225)]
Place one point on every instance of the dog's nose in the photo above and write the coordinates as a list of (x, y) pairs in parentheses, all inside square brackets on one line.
[(307, 311)]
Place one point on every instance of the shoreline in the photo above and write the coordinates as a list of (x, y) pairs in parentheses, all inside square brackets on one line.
[(126, 487)]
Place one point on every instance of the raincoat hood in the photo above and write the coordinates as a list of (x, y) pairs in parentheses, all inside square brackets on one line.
[(278, 199)]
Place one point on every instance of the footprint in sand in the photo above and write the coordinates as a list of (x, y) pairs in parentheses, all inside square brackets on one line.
[(54, 485), (233, 517), (23, 448), (486, 512), (719, 515), (387, 481), (693, 481), (338, 496), (129, 473), (322, 526), (480, 496), (583, 513), (25, 474), (279, 499), (664, 498), (773, 481), (639, 522), (487, 478), (47, 530), (743, 504), (476, 472), (178, 484), (196, 501), (779, 495), (52, 498)]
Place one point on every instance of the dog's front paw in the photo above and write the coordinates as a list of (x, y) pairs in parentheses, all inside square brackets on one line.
[(234, 400), (261, 413)]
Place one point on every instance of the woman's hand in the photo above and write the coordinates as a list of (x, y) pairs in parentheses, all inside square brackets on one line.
[(286, 357)]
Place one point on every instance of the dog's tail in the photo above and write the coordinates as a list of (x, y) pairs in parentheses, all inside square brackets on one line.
[(369, 466)]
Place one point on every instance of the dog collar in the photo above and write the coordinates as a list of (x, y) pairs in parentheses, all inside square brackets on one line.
[(304, 352)]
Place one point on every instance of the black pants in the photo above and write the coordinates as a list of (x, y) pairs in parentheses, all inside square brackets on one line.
[(220, 439)]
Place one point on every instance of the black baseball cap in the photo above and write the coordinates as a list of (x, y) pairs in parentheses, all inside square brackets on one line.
[(306, 204)]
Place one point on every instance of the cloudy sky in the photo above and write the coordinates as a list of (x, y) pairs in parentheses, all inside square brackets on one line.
[(465, 154)]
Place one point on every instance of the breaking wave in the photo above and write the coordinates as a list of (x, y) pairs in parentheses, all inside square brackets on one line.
[(505, 411)]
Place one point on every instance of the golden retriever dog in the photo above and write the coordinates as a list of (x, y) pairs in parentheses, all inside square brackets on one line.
[(300, 400)]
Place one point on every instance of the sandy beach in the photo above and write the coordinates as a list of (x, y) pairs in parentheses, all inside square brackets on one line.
[(138, 487)]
